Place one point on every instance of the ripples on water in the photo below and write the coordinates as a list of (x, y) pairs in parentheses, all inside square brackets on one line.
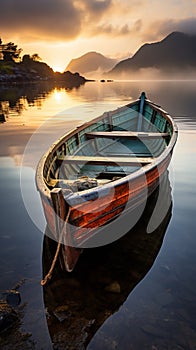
[(156, 312)]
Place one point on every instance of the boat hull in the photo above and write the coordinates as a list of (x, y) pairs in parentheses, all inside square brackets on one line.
[(84, 227), (73, 219)]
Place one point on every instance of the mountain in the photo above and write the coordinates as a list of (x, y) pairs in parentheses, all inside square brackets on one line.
[(91, 63), (173, 54)]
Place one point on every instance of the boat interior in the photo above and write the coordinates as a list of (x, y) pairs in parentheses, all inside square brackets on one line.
[(113, 146)]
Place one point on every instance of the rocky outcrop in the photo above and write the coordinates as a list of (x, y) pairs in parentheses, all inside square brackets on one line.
[(32, 71)]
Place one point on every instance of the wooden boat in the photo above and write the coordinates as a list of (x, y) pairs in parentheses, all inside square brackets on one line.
[(79, 303), (100, 170)]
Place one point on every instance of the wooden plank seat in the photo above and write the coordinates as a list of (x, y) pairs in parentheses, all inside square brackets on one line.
[(131, 154), (126, 134), (94, 160)]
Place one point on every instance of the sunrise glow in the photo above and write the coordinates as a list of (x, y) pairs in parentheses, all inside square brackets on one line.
[(57, 68), (71, 28)]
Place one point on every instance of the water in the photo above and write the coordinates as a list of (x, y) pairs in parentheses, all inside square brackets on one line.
[(159, 312)]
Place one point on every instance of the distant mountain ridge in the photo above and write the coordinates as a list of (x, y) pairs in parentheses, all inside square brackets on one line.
[(91, 62), (176, 51)]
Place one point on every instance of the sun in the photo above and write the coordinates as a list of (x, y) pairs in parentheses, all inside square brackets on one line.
[(58, 68)]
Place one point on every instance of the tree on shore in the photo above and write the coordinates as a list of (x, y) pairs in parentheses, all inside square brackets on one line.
[(36, 57), (9, 52), (27, 58)]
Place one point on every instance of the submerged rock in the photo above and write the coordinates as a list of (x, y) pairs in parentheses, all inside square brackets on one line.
[(8, 316), (113, 288), (61, 313), (13, 298)]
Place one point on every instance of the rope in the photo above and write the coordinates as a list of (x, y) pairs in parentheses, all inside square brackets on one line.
[(49, 274)]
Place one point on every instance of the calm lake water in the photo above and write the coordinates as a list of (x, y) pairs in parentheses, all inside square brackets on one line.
[(155, 308)]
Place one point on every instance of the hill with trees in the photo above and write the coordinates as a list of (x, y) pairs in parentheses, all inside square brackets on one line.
[(13, 68)]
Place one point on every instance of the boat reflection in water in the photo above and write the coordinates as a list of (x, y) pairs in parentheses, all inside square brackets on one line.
[(78, 303)]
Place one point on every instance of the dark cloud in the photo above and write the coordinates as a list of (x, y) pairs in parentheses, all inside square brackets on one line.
[(49, 18), (93, 12), (159, 29), (187, 25), (97, 6), (44, 17)]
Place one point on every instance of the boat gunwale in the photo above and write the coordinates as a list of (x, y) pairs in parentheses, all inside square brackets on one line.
[(45, 191)]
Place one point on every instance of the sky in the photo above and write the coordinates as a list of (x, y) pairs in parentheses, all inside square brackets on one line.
[(59, 30)]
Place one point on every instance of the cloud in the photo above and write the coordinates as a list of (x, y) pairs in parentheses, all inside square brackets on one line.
[(50, 19), (159, 29), (116, 30), (137, 26), (110, 29), (126, 7), (187, 25), (62, 20), (97, 6), (45, 18)]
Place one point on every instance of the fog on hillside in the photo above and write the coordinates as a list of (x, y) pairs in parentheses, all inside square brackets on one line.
[(153, 73)]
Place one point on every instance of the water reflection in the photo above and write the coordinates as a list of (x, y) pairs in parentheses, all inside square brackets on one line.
[(18, 97), (79, 303), (177, 97)]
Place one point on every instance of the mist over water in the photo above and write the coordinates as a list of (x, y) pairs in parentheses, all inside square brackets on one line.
[(154, 73)]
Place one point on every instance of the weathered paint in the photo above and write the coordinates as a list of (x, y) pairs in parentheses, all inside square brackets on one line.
[(96, 207)]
